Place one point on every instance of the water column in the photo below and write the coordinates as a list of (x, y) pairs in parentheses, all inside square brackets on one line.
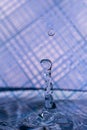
[(47, 66)]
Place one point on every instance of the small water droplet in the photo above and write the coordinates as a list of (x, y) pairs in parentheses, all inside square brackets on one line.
[(51, 32)]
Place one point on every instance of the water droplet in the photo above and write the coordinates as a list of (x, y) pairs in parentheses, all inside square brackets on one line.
[(51, 32), (46, 64)]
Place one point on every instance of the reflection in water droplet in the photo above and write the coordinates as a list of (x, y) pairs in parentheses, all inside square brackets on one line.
[(51, 32)]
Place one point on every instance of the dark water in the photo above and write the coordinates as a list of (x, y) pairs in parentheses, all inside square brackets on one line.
[(14, 112)]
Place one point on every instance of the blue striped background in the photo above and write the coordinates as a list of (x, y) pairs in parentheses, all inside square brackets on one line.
[(24, 41)]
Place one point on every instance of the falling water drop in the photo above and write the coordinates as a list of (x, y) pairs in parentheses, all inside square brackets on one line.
[(51, 32)]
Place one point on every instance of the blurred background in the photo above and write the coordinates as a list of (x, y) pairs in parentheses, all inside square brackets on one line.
[(31, 30)]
